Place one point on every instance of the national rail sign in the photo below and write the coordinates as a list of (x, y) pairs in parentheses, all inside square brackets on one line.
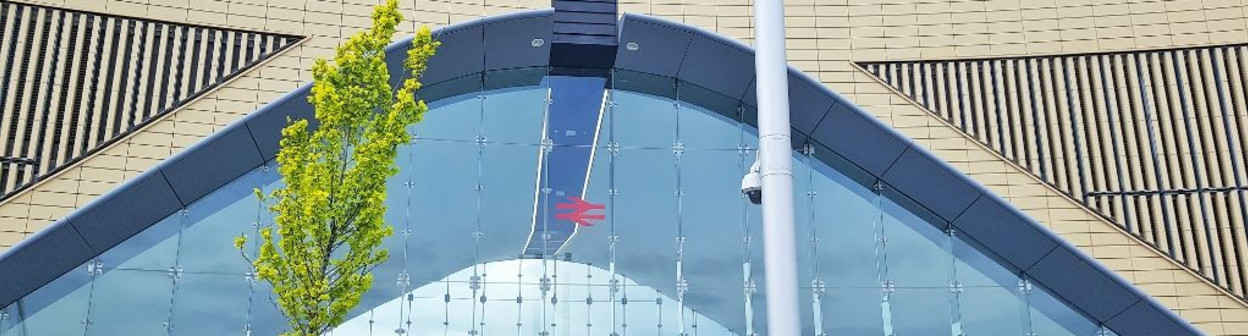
[(579, 208)]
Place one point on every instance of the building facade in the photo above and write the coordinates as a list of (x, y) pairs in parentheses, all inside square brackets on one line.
[(970, 168)]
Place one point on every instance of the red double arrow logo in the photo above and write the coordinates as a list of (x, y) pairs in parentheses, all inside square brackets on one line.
[(578, 215)]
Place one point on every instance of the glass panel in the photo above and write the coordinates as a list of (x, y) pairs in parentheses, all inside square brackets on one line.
[(512, 116), (451, 119), (977, 269), (58, 308), (853, 311), (210, 305), (992, 311), (442, 197), (264, 318), (153, 249), (146, 296), (992, 302), (644, 121), (645, 216), (845, 212), (1051, 316), (711, 213), (679, 249), (916, 253), (703, 129), (508, 175), (920, 311), (8, 319), (216, 220)]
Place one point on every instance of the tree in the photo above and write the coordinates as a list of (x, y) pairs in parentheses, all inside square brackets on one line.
[(329, 215)]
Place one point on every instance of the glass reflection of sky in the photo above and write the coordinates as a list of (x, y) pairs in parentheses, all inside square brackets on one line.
[(678, 234), (582, 296)]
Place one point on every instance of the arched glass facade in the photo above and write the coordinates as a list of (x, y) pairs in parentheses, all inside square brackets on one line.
[(484, 244)]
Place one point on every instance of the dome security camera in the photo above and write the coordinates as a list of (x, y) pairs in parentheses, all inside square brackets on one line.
[(752, 184)]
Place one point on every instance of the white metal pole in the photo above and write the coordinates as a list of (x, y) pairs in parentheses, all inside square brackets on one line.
[(779, 250)]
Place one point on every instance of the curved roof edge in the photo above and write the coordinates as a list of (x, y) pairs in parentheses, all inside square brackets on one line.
[(648, 45)]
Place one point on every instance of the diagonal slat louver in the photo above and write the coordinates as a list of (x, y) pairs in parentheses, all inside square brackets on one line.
[(1153, 140), (72, 82)]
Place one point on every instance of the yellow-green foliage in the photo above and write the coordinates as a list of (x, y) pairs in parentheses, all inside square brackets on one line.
[(329, 224)]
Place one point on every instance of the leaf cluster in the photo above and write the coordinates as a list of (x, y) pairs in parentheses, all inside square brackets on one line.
[(329, 224)]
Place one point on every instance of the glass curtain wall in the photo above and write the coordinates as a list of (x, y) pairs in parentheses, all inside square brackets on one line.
[(486, 242)]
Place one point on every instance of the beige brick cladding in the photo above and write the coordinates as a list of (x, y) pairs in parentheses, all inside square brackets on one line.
[(824, 37)]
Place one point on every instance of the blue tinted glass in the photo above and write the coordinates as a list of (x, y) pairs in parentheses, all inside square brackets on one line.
[(843, 216), (452, 119), (992, 300), (58, 308), (146, 296), (263, 317), (992, 310), (852, 311), (644, 121), (916, 250), (702, 129), (1050, 316), (8, 319), (513, 116), (920, 310), (210, 304), (231, 211), (678, 249), (153, 249)]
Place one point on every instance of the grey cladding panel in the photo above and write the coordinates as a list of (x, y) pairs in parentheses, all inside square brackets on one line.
[(659, 51), (1076, 280), (266, 125), (603, 18), (222, 158), (123, 213), (585, 29), (509, 44), (751, 94), (922, 178), (585, 6), (807, 103), (395, 58), (462, 53), (1144, 318), (41, 259), (849, 133), (989, 221), (717, 66)]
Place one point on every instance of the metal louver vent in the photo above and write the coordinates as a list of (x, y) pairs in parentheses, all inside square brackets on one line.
[(73, 82), (1153, 140)]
